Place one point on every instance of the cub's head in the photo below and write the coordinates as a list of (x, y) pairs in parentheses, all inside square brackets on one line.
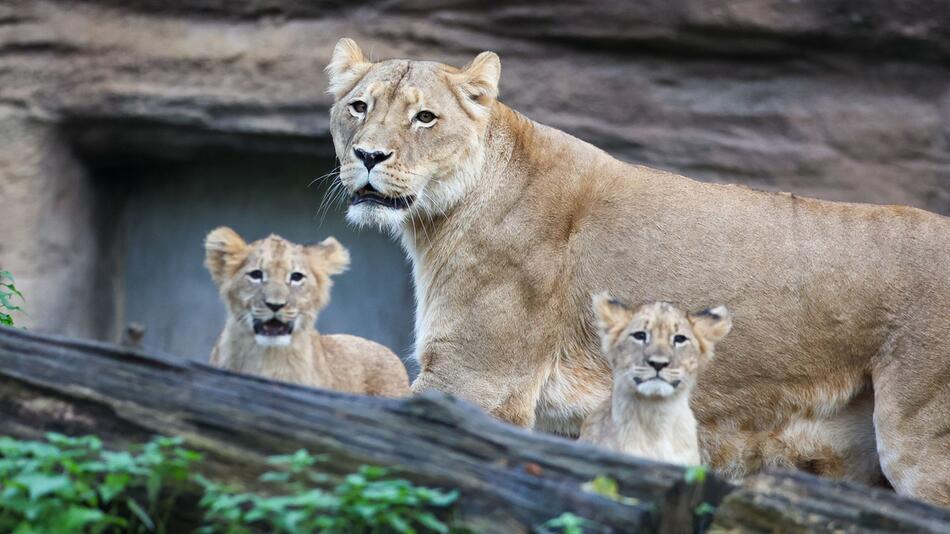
[(272, 286), (655, 349), (408, 134)]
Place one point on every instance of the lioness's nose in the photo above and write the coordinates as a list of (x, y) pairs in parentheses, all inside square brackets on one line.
[(658, 364), (371, 157), (274, 306)]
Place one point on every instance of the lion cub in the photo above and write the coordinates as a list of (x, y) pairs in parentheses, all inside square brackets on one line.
[(655, 351), (273, 290)]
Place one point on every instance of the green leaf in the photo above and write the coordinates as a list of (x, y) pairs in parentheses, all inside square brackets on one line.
[(140, 513), (567, 522), (705, 509), (113, 485), (39, 484), (275, 476), (602, 485), (432, 522), (696, 474)]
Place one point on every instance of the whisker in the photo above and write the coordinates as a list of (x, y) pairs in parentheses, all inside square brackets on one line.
[(332, 172)]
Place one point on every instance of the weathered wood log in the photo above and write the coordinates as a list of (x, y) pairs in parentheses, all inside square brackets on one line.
[(797, 502), (510, 480)]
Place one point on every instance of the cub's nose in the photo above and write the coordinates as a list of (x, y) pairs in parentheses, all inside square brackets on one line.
[(274, 306), (658, 364), (371, 157)]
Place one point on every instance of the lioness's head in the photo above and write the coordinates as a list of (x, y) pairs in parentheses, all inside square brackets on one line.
[(655, 349), (408, 134), (272, 286)]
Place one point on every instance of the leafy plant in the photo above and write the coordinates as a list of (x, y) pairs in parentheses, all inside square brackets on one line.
[(567, 523), (365, 502), (607, 487), (696, 474), (705, 509), (8, 290), (73, 485)]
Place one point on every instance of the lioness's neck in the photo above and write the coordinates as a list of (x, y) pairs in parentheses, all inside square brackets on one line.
[(508, 132)]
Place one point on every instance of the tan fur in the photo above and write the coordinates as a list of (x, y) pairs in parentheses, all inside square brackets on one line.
[(516, 223), (648, 413), (338, 362)]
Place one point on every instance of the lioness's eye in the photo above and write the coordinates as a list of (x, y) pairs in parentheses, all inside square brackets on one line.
[(425, 117), (639, 335), (256, 274), (296, 277), (679, 339), (358, 106)]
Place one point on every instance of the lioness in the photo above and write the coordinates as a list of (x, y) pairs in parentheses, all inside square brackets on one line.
[(273, 290), (655, 351), (511, 225)]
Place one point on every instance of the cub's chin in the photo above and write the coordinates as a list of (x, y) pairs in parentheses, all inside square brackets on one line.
[(272, 341), (656, 388)]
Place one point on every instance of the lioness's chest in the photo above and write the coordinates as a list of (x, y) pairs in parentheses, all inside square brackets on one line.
[(571, 392)]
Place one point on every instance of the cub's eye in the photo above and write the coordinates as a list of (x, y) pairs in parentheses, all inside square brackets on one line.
[(296, 277), (256, 274), (358, 106), (425, 117), (639, 335), (679, 339)]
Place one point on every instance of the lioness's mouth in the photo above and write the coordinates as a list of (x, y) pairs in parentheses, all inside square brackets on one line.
[(368, 193), (273, 327)]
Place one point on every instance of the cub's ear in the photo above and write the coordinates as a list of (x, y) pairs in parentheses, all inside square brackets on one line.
[(225, 252), (346, 67), (478, 81), (328, 256), (710, 325), (610, 314)]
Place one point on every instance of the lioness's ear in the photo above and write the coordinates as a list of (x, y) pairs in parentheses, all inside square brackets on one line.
[(328, 256), (346, 67), (710, 325), (225, 252), (478, 80)]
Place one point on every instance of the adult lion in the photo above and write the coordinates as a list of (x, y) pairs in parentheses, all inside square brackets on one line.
[(511, 225)]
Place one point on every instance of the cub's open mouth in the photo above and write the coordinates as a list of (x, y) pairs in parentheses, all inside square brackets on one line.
[(273, 327), (637, 380), (368, 193)]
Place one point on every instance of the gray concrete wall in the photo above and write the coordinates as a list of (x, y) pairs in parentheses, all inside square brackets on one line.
[(169, 209), (50, 237)]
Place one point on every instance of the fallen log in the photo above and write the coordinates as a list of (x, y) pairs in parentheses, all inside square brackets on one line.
[(509, 479), (797, 502)]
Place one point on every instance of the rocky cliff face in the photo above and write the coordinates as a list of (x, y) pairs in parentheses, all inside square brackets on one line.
[(830, 98)]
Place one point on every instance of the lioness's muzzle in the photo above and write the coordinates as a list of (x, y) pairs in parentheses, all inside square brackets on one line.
[(368, 193)]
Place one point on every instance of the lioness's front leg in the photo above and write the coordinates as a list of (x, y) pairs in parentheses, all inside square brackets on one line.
[(500, 386)]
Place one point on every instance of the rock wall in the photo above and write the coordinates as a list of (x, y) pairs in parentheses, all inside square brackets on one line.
[(831, 98)]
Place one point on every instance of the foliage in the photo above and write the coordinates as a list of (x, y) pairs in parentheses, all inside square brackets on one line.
[(696, 474), (705, 509), (607, 487), (65, 485), (366, 501), (8, 290), (567, 523), (69, 484)]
